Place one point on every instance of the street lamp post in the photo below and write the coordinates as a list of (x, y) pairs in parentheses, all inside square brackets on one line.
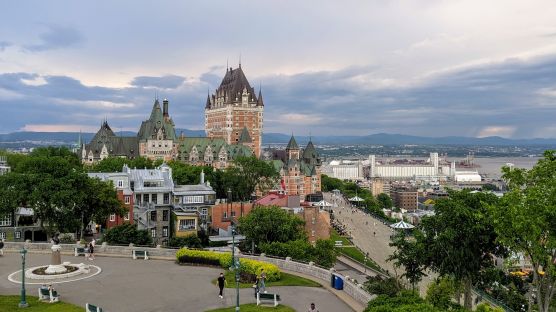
[(23, 303), (235, 262)]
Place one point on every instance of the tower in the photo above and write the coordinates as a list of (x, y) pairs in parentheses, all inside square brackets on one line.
[(235, 106)]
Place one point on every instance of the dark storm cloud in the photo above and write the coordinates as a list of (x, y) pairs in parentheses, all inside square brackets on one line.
[(164, 82), (56, 37)]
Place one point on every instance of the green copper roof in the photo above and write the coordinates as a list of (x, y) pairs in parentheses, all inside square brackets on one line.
[(149, 128), (292, 144), (244, 137)]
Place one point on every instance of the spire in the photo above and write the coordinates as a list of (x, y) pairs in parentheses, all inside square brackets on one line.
[(292, 144), (207, 105), (240, 60), (260, 98), (79, 139)]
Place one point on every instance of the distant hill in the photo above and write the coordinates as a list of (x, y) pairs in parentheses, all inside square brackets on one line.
[(66, 138)]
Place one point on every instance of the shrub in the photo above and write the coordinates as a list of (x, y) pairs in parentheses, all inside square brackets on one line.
[(378, 286), (322, 253), (485, 307), (224, 260), (127, 233), (440, 293), (67, 238), (190, 241)]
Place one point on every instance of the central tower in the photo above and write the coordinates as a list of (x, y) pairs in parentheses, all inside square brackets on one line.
[(234, 108)]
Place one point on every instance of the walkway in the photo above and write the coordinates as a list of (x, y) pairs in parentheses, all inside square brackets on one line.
[(157, 285), (361, 227)]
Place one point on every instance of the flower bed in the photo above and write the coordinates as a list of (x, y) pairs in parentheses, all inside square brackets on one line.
[(224, 260)]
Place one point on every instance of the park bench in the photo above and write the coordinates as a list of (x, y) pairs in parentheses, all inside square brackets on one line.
[(140, 254), (50, 295), (92, 308), (79, 251), (273, 297)]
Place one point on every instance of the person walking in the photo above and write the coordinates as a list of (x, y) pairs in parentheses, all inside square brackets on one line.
[(262, 280), (313, 308), (91, 250), (220, 282), (1, 247)]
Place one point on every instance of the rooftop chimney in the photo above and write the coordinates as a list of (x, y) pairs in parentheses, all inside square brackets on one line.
[(202, 177), (165, 107)]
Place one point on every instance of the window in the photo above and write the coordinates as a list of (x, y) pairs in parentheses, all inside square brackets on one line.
[(153, 215), (166, 198), (112, 217), (164, 215), (127, 199), (233, 214), (6, 220), (153, 233), (187, 224), (313, 220), (154, 198), (225, 214), (164, 231), (120, 183), (204, 211), (126, 217), (313, 233), (194, 199), (2, 235), (145, 198), (18, 234)]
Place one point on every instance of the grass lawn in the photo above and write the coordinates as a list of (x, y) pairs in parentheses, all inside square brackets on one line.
[(10, 304), (337, 237), (254, 308), (358, 256), (285, 280)]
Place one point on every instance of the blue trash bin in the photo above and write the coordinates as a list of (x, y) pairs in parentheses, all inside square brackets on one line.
[(338, 282)]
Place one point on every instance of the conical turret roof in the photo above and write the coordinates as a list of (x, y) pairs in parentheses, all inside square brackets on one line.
[(292, 144), (244, 137)]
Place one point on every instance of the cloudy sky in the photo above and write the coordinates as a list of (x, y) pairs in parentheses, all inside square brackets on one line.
[(421, 67)]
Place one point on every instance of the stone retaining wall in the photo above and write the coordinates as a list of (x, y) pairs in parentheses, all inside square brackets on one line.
[(352, 289)]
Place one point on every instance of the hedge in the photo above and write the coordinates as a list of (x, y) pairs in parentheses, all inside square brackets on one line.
[(224, 260)]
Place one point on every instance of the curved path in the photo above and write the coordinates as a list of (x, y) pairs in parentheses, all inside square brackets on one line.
[(157, 285)]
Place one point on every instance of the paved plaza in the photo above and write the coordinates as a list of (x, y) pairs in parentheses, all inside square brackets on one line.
[(156, 285)]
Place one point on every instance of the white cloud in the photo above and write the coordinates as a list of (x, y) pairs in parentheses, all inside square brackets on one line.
[(501, 131), (58, 128)]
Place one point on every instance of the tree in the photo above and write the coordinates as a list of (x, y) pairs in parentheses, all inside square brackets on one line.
[(127, 233), (324, 253), (271, 224), (525, 219), (247, 174), (459, 240), (441, 292), (115, 164), (329, 184), (409, 254), (384, 200)]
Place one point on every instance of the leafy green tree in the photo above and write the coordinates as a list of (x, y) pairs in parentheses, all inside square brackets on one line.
[(459, 240), (247, 174), (115, 164), (271, 224), (441, 292), (324, 253), (409, 254), (384, 200), (127, 233), (190, 241), (378, 285), (525, 219), (328, 183), (13, 191)]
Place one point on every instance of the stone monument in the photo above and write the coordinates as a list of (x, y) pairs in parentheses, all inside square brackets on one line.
[(56, 266)]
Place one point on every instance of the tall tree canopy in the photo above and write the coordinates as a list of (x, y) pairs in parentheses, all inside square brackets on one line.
[(525, 220), (271, 224), (458, 241), (247, 174)]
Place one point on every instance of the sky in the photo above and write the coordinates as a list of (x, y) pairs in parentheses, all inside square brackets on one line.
[(419, 67)]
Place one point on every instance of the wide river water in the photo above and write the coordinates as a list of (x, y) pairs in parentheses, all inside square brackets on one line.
[(491, 166)]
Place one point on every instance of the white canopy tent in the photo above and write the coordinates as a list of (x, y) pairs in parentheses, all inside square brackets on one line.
[(323, 203), (402, 225), (356, 199)]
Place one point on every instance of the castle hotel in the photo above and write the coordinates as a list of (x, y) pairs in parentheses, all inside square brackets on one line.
[(233, 125)]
